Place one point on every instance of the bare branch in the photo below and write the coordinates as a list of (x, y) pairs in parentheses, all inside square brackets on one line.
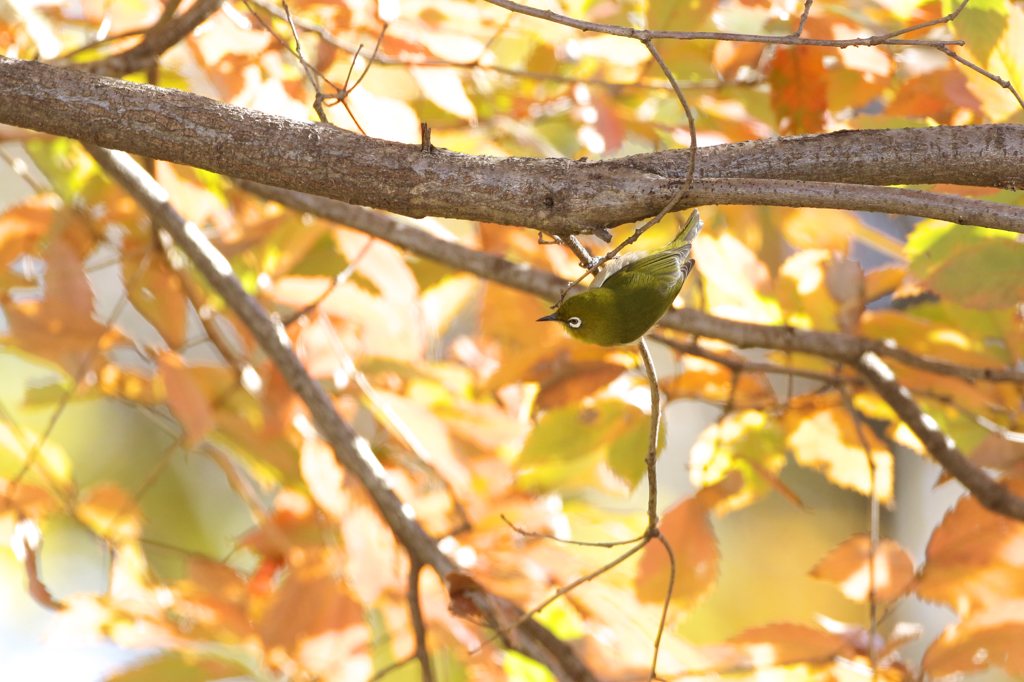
[(418, 627), (991, 494), (159, 39), (352, 451), (841, 347)]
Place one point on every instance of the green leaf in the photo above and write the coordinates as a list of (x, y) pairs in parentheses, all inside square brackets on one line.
[(981, 24), (970, 266), (628, 453), (181, 666), (519, 668), (572, 433), (934, 242)]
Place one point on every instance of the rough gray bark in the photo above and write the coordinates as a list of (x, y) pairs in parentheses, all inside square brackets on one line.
[(558, 196)]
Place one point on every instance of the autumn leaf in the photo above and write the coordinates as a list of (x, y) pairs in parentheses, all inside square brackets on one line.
[(971, 562), (190, 404), (687, 530), (848, 566), (110, 512), (799, 86), (827, 439), (983, 639)]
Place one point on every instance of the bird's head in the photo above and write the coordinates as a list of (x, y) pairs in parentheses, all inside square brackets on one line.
[(586, 318)]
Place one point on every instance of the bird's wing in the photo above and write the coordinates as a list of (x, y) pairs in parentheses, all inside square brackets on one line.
[(659, 270)]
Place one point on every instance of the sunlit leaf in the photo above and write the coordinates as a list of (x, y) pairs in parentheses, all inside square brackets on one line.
[(688, 532), (186, 397), (787, 643), (973, 562), (987, 638), (110, 512), (827, 439), (848, 566), (749, 443), (313, 620), (181, 666), (628, 452), (799, 86)]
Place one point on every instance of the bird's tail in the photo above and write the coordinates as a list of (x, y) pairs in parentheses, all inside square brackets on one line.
[(685, 238)]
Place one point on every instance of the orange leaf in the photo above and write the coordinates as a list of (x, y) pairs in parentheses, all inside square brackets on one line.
[(59, 327), (325, 478), (826, 440), (686, 528), (23, 226), (938, 95), (990, 637), (110, 512), (156, 292), (185, 397), (799, 86), (974, 559), (789, 643), (572, 382), (883, 281), (847, 566), (313, 620)]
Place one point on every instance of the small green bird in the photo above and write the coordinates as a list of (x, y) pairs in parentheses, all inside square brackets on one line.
[(631, 293)]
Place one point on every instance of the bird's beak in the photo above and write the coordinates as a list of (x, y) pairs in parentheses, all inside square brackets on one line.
[(553, 317)]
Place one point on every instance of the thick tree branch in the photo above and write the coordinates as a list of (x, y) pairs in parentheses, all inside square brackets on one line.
[(991, 495), (840, 347), (352, 451), (557, 196)]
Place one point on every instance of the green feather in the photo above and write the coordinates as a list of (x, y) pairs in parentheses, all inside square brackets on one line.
[(630, 296)]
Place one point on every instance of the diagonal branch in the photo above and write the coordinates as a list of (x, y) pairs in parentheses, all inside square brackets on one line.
[(841, 347), (351, 450), (991, 495), (160, 38)]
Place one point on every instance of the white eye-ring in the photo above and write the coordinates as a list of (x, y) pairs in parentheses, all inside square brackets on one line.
[(575, 322)]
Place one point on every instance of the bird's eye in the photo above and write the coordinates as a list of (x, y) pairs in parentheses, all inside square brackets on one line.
[(575, 322)]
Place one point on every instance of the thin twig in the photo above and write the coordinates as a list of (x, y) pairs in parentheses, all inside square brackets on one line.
[(388, 669), (643, 35), (386, 60), (338, 280), (664, 608), (987, 74), (803, 19), (874, 529), (565, 590), (416, 615), (652, 441), (580, 543)]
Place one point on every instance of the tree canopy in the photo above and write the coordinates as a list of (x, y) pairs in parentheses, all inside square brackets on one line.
[(282, 368)]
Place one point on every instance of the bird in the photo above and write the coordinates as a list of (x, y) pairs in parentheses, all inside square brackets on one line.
[(631, 293)]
